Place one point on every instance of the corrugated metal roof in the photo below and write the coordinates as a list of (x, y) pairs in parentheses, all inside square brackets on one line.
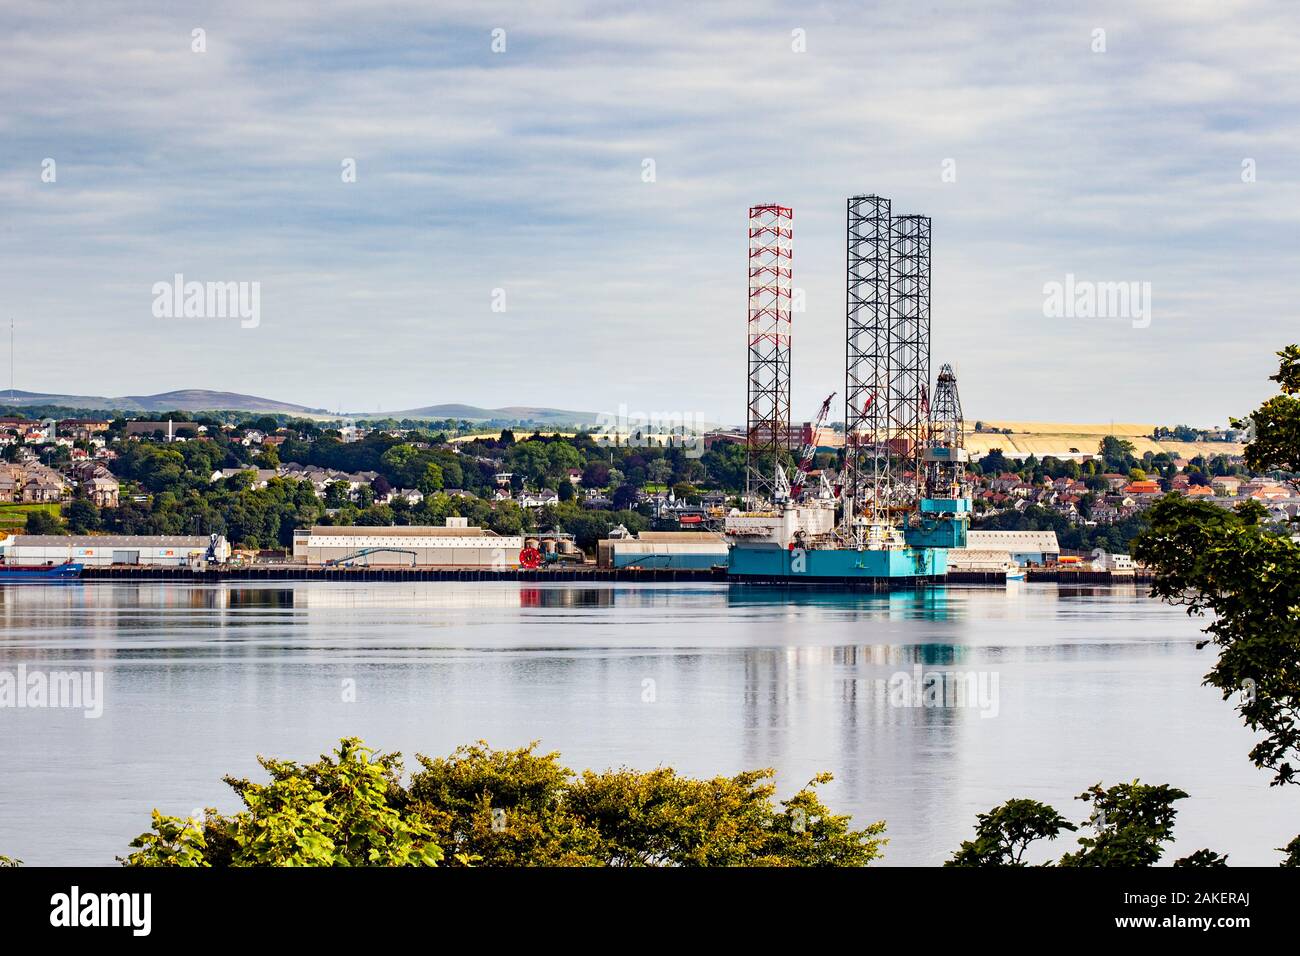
[(400, 530), (1013, 540), (108, 541), (710, 545)]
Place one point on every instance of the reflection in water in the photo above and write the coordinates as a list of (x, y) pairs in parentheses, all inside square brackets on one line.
[(566, 597), (924, 603), (1068, 687), (245, 597)]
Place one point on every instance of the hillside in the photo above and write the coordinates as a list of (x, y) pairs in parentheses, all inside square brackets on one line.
[(187, 400), (1048, 438), (206, 400), (522, 413)]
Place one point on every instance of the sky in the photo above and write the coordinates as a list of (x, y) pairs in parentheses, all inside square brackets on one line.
[(504, 243)]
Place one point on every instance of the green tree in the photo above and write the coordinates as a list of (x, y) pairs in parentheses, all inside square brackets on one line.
[(337, 494), (1202, 858), (42, 522), (430, 481), (1117, 453), (336, 812), (1133, 821), (659, 471), (1292, 851), (82, 516), (1130, 824), (505, 808), (1004, 833), (519, 807), (1276, 444), (1246, 576)]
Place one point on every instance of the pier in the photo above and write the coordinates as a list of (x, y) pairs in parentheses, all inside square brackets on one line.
[(567, 575)]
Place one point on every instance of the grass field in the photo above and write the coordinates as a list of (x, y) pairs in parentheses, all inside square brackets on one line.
[(14, 517), (1046, 438)]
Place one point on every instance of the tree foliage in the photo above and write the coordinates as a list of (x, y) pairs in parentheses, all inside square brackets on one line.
[(1132, 823), (1129, 826), (1246, 576), (335, 812), (1004, 833), (42, 522), (1276, 444), (480, 806)]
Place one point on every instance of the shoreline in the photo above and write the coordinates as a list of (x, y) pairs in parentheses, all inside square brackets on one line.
[(585, 575)]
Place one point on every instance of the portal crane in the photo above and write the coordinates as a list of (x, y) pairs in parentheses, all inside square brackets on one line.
[(810, 448)]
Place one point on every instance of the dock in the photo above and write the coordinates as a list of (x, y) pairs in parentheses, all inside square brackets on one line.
[(566, 575)]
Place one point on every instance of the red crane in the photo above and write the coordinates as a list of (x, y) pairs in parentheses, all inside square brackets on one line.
[(810, 448)]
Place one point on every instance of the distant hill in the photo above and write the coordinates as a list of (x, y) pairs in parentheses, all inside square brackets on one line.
[(185, 400), (510, 413), (205, 400)]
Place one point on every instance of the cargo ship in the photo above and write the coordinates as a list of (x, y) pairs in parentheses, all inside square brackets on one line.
[(50, 574)]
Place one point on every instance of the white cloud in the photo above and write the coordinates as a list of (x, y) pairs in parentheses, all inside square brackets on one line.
[(523, 171)]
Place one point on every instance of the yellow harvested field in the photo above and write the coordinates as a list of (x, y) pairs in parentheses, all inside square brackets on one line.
[(1052, 438)]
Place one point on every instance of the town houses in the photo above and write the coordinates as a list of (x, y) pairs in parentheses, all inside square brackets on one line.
[(398, 474), (31, 483), (1111, 497), (50, 462)]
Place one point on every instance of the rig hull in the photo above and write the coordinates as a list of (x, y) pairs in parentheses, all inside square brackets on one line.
[(879, 570)]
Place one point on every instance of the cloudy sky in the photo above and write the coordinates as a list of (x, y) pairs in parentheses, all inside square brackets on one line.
[(523, 171)]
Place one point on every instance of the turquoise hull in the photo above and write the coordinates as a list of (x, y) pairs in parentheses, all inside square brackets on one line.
[(903, 567), (692, 562)]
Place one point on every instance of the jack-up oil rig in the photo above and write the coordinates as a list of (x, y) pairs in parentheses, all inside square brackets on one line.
[(902, 498)]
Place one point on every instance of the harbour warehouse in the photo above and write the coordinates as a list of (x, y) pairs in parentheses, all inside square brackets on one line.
[(166, 551), (457, 545)]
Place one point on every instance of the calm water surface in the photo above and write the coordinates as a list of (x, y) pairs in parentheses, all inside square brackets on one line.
[(1080, 685)]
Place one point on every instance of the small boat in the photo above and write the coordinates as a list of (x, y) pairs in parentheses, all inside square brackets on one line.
[(14, 573)]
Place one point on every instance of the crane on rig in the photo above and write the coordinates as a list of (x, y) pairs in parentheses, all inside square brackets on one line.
[(809, 451)]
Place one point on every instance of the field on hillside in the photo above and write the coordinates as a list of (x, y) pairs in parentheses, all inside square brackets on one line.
[(1052, 438), (14, 517)]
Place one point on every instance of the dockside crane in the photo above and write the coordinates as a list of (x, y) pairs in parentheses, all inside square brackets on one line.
[(809, 451)]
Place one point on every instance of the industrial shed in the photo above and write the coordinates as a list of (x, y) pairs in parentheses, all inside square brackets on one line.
[(165, 551), (663, 549), (970, 559), (457, 545), (1025, 547)]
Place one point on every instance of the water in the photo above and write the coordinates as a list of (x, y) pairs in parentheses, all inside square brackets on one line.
[(1091, 685)]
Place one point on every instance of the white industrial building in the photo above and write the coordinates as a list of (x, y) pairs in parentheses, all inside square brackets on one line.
[(663, 549), (1115, 563), (457, 545), (1024, 547), (43, 550), (971, 559)]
